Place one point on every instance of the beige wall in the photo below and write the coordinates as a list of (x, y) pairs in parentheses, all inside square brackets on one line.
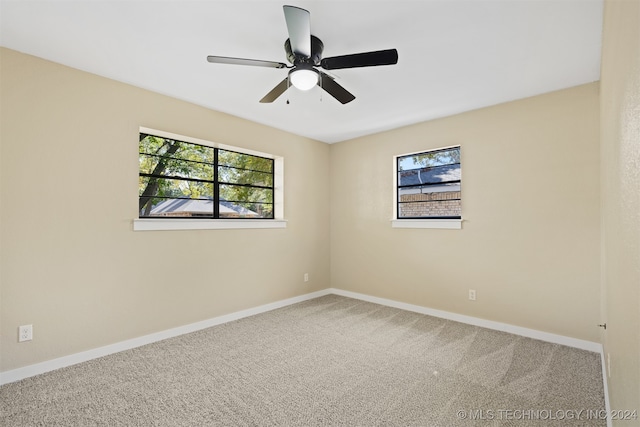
[(71, 264), (530, 243), (620, 136)]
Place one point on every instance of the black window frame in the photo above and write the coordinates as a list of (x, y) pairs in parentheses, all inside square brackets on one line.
[(399, 186), (215, 182)]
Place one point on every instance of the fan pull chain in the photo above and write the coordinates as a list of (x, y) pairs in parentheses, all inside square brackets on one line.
[(288, 87)]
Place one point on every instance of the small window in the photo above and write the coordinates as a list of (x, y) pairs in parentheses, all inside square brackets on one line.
[(180, 179), (428, 185)]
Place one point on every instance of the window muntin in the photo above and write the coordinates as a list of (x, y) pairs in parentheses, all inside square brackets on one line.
[(181, 179), (429, 185)]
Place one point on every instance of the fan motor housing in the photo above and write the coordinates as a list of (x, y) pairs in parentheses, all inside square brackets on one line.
[(316, 52)]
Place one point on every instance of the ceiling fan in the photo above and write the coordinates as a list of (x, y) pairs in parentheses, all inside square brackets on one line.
[(304, 51)]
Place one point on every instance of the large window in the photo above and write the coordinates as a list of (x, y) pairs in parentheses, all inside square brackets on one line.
[(181, 179), (428, 185)]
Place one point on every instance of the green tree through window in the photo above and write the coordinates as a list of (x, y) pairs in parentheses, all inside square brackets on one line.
[(180, 179), (429, 185)]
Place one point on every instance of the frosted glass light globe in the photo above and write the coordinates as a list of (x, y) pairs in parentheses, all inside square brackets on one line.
[(304, 79)]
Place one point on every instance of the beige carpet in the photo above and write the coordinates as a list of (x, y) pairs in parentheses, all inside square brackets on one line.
[(328, 361)]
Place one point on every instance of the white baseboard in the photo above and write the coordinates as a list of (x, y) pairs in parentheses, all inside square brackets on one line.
[(607, 406), (50, 365), (489, 324)]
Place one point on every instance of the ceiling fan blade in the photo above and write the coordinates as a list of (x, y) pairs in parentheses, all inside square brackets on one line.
[(243, 61), (365, 59), (334, 89), (299, 27), (276, 91)]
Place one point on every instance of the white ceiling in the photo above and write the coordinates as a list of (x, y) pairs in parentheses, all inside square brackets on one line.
[(454, 55)]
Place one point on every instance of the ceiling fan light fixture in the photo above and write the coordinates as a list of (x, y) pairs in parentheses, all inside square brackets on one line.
[(304, 52), (304, 78)]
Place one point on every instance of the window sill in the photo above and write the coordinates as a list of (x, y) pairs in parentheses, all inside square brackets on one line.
[(205, 224), (453, 224)]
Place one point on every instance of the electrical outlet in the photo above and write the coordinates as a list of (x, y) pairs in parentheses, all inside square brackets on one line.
[(25, 333), (306, 277), (472, 294)]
